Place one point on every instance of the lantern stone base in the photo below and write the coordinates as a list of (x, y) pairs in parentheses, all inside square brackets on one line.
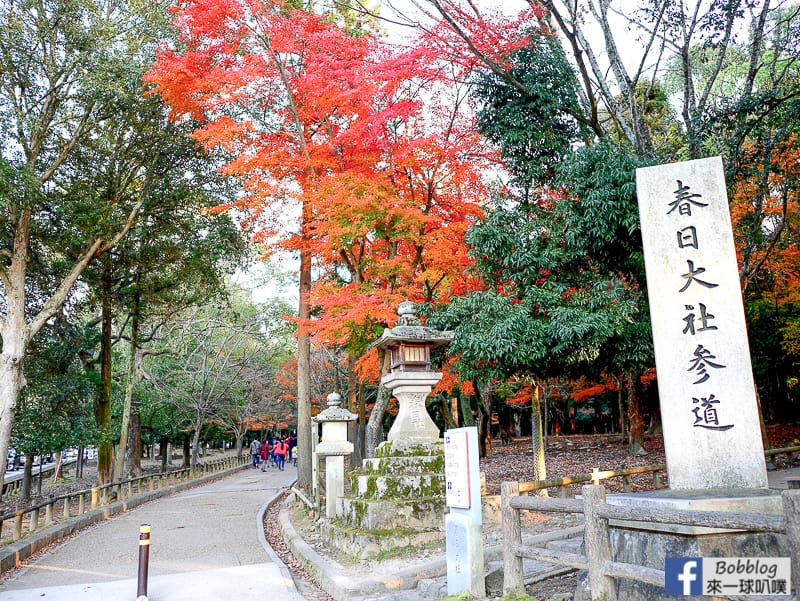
[(396, 503), (413, 420), (360, 544)]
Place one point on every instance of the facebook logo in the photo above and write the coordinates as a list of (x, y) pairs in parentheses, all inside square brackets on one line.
[(683, 576)]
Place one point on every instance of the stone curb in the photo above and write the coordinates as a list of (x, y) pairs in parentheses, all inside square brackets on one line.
[(282, 567), (14, 554), (340, 587)]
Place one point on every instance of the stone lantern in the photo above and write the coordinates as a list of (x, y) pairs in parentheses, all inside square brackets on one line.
[(334, 447), (411, 379)]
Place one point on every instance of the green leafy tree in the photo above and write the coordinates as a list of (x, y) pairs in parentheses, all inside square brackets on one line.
[(565, 281), (60, 64), (54, 411), (212, 353), (533, 112)]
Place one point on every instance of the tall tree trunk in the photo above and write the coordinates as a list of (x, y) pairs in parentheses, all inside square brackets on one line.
[(352, 406), (135, 459), (12, 381), (374, 429), (239, 440), (187, 450), (546, 419), (623, 412), (39, 475), (164, 452), (103, 402), (362, 420), (537, 441), (636, 440), (14, 333), (467, 418), (119, 463), (304, 372), (447, 414), (27, 476), (196, 443), (485, 390), (764, 434)]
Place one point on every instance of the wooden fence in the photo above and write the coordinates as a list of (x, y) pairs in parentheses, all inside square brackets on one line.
[(595, 477), (17, 525), (659, 472), (598, 561), (12, 486)]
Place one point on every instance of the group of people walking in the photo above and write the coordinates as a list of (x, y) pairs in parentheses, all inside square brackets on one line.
[(273, 451)]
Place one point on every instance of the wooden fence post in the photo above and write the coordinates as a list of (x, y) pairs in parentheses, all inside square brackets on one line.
[(598, 544), (513, 578), (18, 524), (791, 513)]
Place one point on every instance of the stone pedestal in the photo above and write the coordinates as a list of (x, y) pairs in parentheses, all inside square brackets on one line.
[(334, 483), (648, 544), (397, 502), (411, 389)]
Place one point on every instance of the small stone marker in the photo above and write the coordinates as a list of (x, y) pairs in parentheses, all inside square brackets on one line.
[(712, 433), (463, 525)]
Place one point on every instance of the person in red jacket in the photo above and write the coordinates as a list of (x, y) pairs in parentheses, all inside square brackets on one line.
[(281, 448), (264, 454)]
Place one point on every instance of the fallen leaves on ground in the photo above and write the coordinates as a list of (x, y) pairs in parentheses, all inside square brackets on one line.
[(570, 456)]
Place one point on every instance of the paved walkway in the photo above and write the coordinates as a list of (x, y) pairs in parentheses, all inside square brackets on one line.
[(207, 543)]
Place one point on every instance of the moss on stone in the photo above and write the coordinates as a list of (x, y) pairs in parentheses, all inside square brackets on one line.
[(394, 552)]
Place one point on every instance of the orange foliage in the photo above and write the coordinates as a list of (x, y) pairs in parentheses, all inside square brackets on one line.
[(522, 397), (592, 389), (337, 159), (773, 203), (367, 367), (648, 377), (452, 379)]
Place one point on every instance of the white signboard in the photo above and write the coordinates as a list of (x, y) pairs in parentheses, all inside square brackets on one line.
[(712, 436), (465, 567), (457, 468)]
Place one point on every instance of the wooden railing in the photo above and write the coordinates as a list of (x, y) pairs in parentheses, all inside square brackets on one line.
[(12, 486), (791, 454), (18, 524), (595, 477), (598, 561)]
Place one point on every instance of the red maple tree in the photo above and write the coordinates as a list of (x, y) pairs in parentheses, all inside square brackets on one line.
[(289, 97), (337, 160)]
